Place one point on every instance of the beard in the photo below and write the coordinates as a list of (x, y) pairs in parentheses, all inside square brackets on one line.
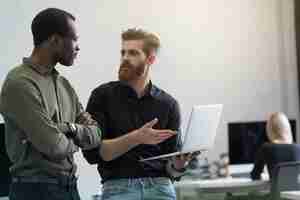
[(129, 72)]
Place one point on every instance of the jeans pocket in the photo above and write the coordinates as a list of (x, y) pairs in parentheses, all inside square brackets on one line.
[(113, 190), (164, 190)]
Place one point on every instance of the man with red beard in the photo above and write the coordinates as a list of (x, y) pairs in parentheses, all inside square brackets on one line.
[(121, 108)]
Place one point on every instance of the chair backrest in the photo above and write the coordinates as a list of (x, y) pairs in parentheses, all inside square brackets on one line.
[(285, 177)]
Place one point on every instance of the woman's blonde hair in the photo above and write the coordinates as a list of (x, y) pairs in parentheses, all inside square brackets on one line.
[(279, 129)]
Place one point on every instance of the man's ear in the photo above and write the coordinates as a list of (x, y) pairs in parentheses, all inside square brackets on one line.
[(151, 58), (55, 39)]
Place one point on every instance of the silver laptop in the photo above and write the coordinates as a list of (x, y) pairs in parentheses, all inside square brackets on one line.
[(200, 132)]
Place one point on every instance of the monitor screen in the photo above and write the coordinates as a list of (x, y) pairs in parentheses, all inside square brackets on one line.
[(245, 138), (5, 178)]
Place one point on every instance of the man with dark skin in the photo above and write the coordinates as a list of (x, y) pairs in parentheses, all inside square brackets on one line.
[(44, 121)]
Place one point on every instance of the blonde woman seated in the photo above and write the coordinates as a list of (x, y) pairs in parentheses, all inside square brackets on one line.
[(279, 148)]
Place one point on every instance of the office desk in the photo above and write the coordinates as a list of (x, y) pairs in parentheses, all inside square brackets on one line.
[(290, 195), (226, 186), (240, 170)]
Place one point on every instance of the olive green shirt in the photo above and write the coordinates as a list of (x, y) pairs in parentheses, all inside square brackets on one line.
[(32, 105)]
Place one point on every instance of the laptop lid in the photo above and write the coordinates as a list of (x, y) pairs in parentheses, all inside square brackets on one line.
[(201, 130)]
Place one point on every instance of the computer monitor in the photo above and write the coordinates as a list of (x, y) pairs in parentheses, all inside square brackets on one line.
[(245, 138), (5, 178)]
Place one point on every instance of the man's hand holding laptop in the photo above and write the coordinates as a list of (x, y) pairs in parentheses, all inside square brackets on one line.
[(176, 165), (200, 131), (180, 162)]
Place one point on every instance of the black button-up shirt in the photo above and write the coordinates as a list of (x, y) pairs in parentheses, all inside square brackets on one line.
[(118, 110)]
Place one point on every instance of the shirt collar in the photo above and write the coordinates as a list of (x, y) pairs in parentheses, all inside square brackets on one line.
[(151, 90), (37, 68)]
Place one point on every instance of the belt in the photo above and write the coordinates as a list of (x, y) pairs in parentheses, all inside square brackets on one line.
[(63, 181), (133, 181)]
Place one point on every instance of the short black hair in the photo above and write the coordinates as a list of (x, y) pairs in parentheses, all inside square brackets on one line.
[(48, 22)]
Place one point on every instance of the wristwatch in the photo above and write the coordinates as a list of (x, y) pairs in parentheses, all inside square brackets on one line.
[(72, 129)]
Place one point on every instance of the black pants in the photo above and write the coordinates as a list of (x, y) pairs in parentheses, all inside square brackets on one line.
[(42, 191)]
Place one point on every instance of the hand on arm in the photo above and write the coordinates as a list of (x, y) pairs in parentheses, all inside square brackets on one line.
[(86, 137), (113, 148), (85, 133), (85, 118)]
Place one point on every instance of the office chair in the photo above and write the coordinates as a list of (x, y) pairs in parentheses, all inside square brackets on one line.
[(285, 177)]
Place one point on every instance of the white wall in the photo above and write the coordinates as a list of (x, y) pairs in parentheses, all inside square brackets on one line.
[(237, 52)]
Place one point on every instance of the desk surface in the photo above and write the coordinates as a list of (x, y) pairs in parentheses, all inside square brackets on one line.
[(240, 168), (224, 185), (290, 195)]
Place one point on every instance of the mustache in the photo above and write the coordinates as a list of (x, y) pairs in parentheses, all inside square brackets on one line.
[(126, 64)]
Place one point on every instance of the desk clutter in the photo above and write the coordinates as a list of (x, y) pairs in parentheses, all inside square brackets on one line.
[(217, 180), (202, 169)]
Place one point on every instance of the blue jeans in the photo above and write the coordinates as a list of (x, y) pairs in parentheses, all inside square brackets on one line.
[(159, 188)]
